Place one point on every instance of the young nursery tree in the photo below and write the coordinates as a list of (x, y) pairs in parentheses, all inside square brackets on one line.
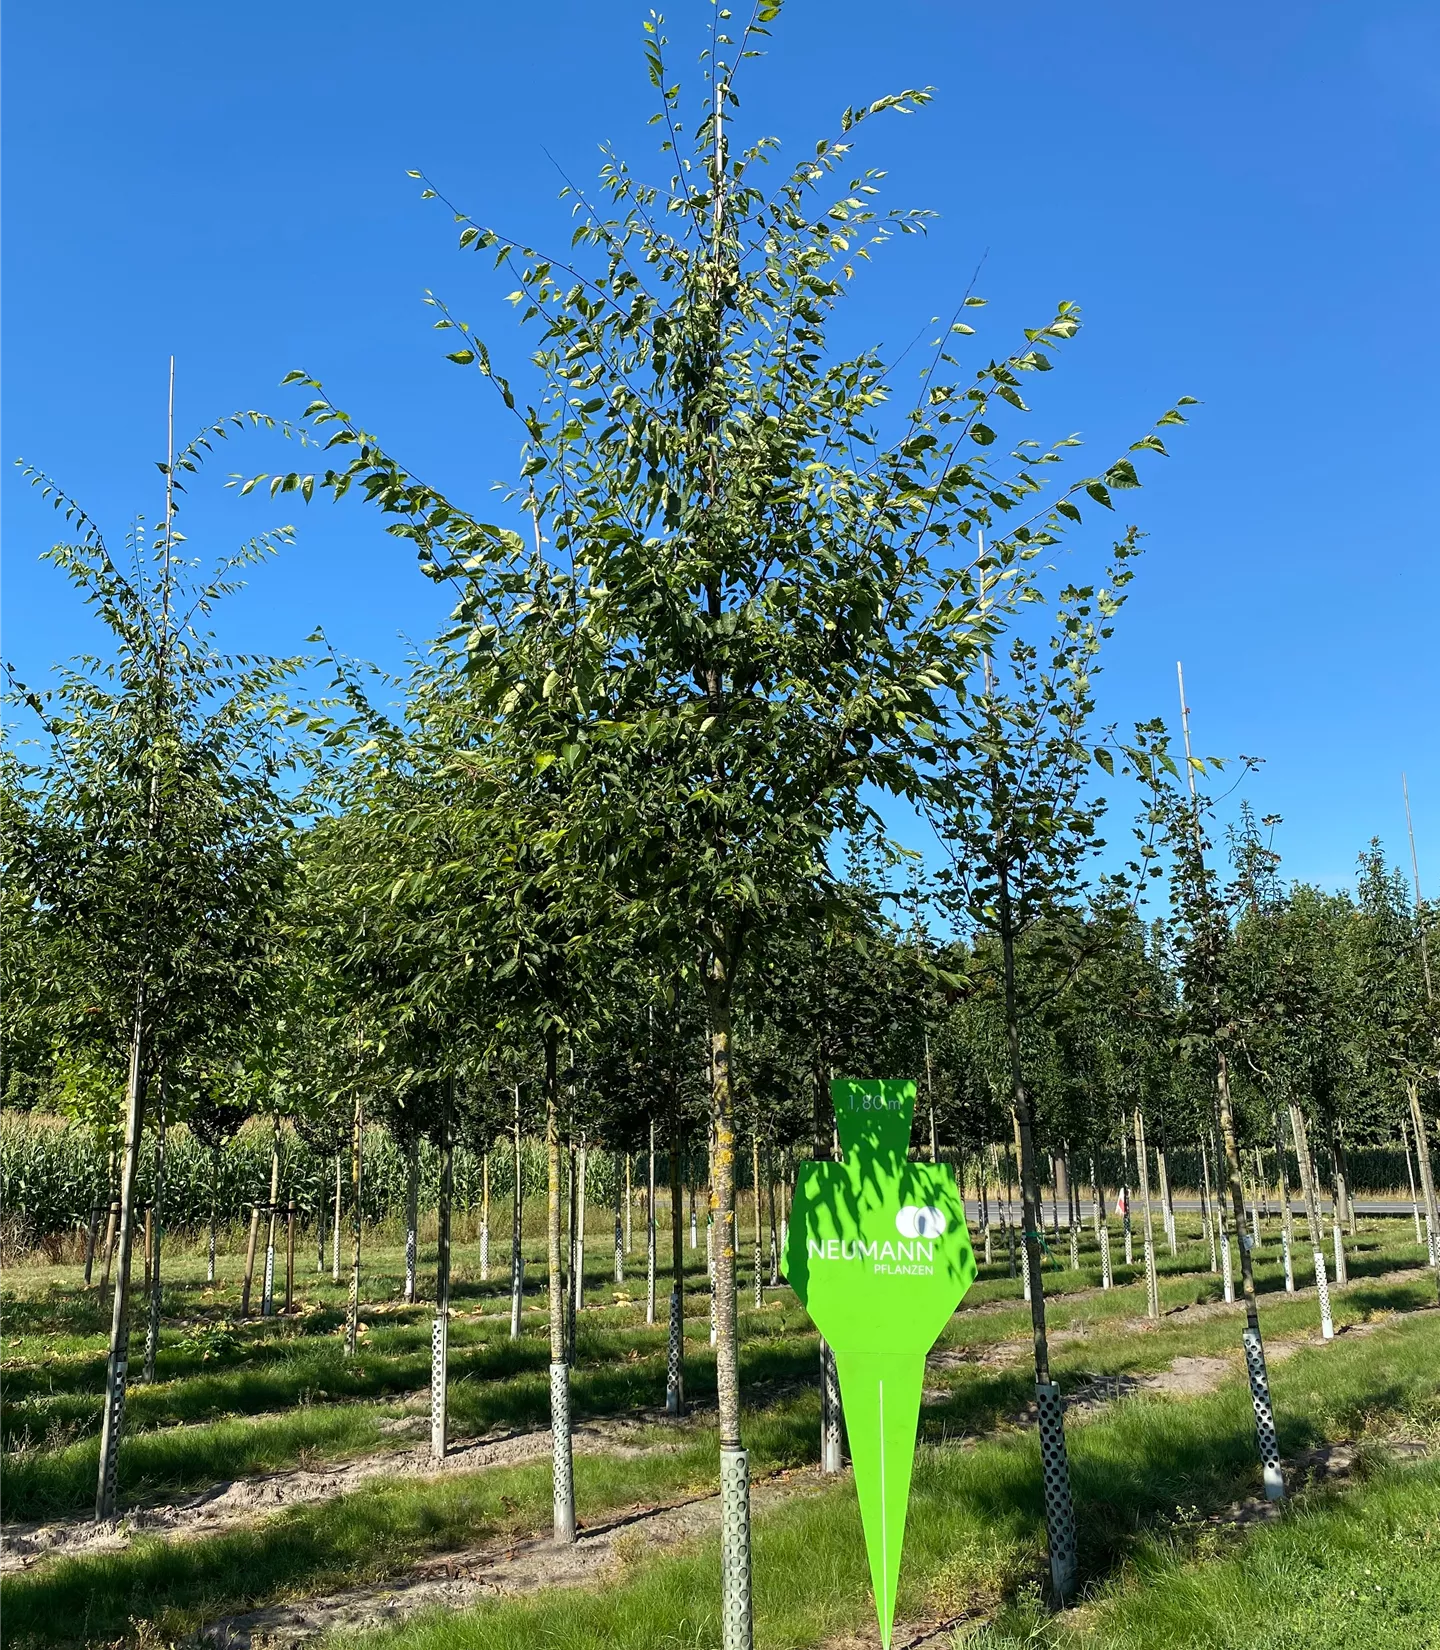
[(155, 834), (745, 572)]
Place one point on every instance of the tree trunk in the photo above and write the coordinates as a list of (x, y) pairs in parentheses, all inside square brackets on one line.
[(517, 1256), (250, 1261), (152, 1328), (755, 1195), (112, 1419), (1167, 1204), (267, 1293), (412, 1216), (650, 1227), (734, 1461), (930, 1100), (582, 1186), (629, 1210), (485, 1217), (1409, 1174), (290, 1255), (1207, 1207), (1427, 1178), (1312, 1217), (1337, 1215), (214, 1211), (1127, 1224), (562, 1460), (1142, 1171), (1102, 1228), (1253, 1345), (774, 1231), (675, 1355), (1055, 1473), (1222, 1222), (440, 1329), (1287, 1223), (335, 1227), (357, 1186), (570, 1200)]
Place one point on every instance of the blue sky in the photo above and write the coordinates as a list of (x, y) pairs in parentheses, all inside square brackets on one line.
[(1242, 198)]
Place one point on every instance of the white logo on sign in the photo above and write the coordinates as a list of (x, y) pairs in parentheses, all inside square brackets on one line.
[(913, 1222)]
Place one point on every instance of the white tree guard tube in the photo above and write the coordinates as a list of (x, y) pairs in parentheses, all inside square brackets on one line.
[(619, 1252), (484, 1251), (737, 1617), (1107, 1275), (439, 1408), (562, 1461), (1264, 1414), (517, 1294), (674, 1359), (1227, 1266), (1059, 1509), (1322, 1289)]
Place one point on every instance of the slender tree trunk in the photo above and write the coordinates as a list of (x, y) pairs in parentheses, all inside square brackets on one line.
[(1059, 1509), (112, 1419), (1409, 1175), (562, 1460), (1207, 1207), (1102, 1229), (1337, 1216), (734, 1460), (774, 1237), (755, 1178), (1287, 1223), (1254, 1346), (1427, 1177), (675, 1357), (94, 1229), (290, 1255), (1222, 1221), (152, 1328), (1142, 1171), (214, 1211), (570, 1200), (930, 1100), (1127, 1224), (412, 1215), (629, 1209), (250, 1260), (1167, 1205), (517, 1255), (267, 1292), (1312, 1216), (650, 1227), (485, 1217), (319, 1230), (440, 1329), (582, 1183), (357, 1186), (335, 1226)]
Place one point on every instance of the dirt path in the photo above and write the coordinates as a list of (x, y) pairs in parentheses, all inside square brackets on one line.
[(456, 1580), (243, 1500)]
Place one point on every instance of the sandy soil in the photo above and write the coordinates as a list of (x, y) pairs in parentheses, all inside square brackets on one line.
[(455, 1580)]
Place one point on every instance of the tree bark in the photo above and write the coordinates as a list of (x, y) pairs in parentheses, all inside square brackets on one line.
[(152, 1327), (117, 1366), (1059, 1509), (440, 1330), (562, 1458), (412, 1215), (1427, 1178), (1312, 1217), (357, 1171)]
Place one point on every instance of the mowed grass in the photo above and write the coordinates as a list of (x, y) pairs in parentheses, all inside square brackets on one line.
[(975, 1538), (1347, 1571), (307, 1398), (975, 1541)]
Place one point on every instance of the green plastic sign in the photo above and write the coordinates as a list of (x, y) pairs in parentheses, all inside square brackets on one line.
[(879, 1255)]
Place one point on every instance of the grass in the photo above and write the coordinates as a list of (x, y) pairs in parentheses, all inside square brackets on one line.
[(975, 1530), (1346, 1571), (1143, 1471), (374, 1532)]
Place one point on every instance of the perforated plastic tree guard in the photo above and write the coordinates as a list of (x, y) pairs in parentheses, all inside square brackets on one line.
[(878, 1253)]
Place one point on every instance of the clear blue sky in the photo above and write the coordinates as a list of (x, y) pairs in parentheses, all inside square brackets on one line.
[(1243, 198)]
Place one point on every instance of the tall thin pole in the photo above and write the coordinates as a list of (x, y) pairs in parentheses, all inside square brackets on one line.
[(1419, 903)]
